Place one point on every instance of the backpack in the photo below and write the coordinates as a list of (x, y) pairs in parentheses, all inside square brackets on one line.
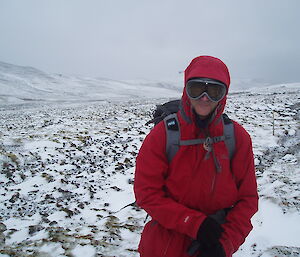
[(167, 113)]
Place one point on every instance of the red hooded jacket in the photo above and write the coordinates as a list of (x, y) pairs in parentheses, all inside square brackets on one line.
[(179, 195)]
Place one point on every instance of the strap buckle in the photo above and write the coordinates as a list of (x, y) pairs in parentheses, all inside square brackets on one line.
[(208, 144)]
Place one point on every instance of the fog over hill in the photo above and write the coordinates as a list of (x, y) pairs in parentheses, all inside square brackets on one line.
[(20, 84)]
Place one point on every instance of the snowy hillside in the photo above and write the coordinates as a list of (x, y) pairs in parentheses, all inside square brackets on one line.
[(22, 84), (66, 168)]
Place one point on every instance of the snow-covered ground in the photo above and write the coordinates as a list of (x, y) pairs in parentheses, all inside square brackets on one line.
[(67, 167), (277, 223)]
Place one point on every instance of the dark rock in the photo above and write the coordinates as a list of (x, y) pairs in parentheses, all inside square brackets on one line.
[(2, 227), (34, 229)]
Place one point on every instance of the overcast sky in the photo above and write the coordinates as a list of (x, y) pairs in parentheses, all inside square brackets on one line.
[(153, 39)]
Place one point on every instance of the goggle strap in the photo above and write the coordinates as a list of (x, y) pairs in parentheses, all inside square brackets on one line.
[(207, 81)]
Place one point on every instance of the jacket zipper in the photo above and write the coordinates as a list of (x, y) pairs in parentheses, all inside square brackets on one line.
[(197, 156), (209, 154), (213, 185), (168, 245), (197, 160)]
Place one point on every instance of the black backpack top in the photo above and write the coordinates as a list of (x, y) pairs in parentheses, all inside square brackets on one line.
[(164, 110)]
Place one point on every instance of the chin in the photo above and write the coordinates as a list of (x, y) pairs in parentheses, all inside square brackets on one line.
[(203, 113)]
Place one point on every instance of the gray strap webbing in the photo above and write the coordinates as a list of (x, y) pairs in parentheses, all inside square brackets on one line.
[(199, 141), (229, 138), (192, 141), (173, 136), (183, 114), (173, 141)]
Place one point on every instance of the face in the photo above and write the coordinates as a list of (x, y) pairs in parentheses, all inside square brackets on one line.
[(203, 106)]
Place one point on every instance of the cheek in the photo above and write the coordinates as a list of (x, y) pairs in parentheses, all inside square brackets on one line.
[(214, 105)]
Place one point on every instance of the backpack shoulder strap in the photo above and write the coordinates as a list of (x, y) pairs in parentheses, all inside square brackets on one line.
[(173, 141), (229, 135), (172, 135)]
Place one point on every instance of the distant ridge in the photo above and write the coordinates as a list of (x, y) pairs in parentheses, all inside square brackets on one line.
[(19, 84)]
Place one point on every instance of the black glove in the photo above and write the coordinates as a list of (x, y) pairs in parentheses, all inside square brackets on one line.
[(209, 233), (215, 251)]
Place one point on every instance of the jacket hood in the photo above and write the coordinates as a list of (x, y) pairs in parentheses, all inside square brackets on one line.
[(206, 67)]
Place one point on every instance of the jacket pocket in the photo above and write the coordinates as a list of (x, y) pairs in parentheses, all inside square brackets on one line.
[(155, 240)]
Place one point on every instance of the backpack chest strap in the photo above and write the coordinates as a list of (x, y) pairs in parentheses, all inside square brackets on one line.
[(199, 141)]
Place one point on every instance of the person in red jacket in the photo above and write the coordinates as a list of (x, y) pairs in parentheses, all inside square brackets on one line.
[(182, 195)]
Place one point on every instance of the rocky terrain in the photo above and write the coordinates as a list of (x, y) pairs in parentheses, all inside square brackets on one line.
[(66, 172)]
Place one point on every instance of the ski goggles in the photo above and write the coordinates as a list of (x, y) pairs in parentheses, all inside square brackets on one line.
[(214, 90)]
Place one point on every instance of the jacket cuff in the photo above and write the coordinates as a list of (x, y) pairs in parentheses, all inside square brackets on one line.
[(227, 246), (191, 226)]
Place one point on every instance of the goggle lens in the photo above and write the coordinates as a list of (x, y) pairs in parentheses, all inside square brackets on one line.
[(196, 89)]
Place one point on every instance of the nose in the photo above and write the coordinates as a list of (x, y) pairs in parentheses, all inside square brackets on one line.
[(204, 98)]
